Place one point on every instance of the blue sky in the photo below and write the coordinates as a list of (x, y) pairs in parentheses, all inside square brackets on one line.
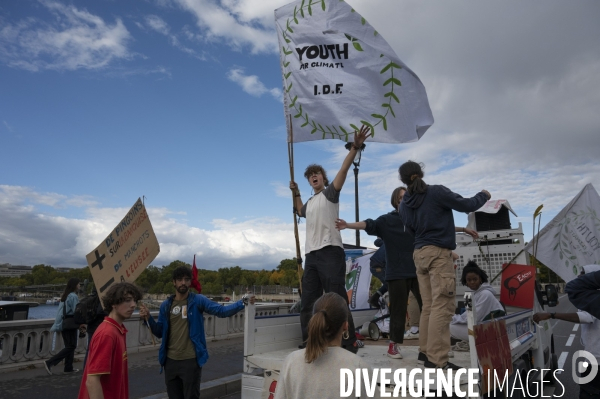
[(180, 100)]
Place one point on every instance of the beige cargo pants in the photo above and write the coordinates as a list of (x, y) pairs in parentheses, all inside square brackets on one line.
[(437, 283)]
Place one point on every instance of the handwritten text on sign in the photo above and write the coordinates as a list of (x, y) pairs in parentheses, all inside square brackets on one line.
[(126, 252)]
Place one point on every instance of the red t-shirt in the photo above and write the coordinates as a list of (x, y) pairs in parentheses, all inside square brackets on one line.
[(107, 357)]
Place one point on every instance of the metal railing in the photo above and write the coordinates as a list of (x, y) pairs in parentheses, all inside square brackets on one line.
[(30, 341)]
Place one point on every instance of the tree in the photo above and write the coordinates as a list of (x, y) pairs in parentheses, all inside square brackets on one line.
[(288, 264), (158, 288)]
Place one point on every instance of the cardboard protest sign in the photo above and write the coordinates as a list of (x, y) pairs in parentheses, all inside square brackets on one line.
[(572, 239), (126, 251), (339, 73)]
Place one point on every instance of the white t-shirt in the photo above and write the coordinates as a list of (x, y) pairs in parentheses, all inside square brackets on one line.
[(319, 379), (590, 331), (321, 211)]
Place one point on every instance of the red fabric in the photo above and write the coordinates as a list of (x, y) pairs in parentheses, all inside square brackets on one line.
[(108, 358), (195, 282)]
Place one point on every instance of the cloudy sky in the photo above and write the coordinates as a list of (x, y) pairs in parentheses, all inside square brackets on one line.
[(180, 101)]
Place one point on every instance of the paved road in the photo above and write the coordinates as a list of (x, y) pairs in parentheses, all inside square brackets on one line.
[(144, 378)]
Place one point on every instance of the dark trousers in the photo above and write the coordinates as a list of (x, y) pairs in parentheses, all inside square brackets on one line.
[(182, 378), (68, 352), (398, 295), (324, 270)]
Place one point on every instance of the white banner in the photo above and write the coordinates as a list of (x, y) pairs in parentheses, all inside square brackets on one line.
[(339, 73), (572, 239), (358, 281)]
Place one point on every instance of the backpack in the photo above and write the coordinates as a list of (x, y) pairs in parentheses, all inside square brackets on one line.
[(87, 309)]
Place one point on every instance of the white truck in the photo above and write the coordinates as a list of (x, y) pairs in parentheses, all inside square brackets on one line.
[(269, 339)]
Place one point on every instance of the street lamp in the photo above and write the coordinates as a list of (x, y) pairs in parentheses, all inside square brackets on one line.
[(356, 163)]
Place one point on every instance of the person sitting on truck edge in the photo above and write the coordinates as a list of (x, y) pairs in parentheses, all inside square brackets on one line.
[(180, 321), (400, 272), (106, 374), (589, 282), (427, 210), (377, 268), (325, 261), (484, 300), (314, 372)]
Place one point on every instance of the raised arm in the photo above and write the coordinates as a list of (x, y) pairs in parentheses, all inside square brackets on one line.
[(297, 198), (359, 139), (341, 224)]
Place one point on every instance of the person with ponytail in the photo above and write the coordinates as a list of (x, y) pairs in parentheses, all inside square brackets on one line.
[(66, 309), (314, 372), (427, 210)]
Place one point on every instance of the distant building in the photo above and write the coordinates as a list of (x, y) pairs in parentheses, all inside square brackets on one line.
[(63, 269), (8, 270)]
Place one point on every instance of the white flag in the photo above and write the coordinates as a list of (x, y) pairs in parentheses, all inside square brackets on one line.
[(339, 73), (572, 239)]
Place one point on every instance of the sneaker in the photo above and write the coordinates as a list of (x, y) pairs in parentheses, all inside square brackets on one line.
[(47, 368), (447, 366), (71, 372), (461, 346), (393, 351), (410, 335), (422, 359), (360, 344)]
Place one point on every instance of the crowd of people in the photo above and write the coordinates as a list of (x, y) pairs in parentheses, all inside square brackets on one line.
[(415, 261)]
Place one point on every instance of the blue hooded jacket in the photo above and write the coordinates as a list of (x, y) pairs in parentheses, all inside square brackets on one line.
[(197, 304), (429, 214)]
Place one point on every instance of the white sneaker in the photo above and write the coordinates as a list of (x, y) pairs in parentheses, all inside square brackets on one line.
[(410, 335), (461, 346)]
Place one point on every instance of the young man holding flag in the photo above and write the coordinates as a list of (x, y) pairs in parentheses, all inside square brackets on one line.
[(180, 321), (325, 265)]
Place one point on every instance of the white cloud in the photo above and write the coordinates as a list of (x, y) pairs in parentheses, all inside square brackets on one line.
[(74, 39), (30, 235), (251, 84), (227, 22), (159, 25)]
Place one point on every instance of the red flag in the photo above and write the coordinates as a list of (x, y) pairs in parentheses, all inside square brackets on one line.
[(195, 282)]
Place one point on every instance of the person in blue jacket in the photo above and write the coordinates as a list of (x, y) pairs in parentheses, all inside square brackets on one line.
[(180, 322)]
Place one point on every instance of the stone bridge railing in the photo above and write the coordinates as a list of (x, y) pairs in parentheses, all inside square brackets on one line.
[(30, 341)]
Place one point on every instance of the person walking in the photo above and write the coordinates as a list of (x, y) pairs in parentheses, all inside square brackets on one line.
[(66, 309), (427, 210)]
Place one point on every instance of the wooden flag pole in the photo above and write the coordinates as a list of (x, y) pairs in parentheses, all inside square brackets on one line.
[(291, 161)]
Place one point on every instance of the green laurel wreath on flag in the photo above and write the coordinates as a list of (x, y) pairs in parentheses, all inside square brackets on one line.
[(390, 96)]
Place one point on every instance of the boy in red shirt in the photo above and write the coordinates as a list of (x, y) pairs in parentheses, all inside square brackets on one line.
[(105, 374)]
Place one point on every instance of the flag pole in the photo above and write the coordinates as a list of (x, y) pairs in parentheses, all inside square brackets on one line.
[(291, 162)]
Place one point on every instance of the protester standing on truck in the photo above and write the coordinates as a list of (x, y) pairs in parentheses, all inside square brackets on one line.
[(314, 372), (400, 272), (325, 263), (180, 321), (427, 210)]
